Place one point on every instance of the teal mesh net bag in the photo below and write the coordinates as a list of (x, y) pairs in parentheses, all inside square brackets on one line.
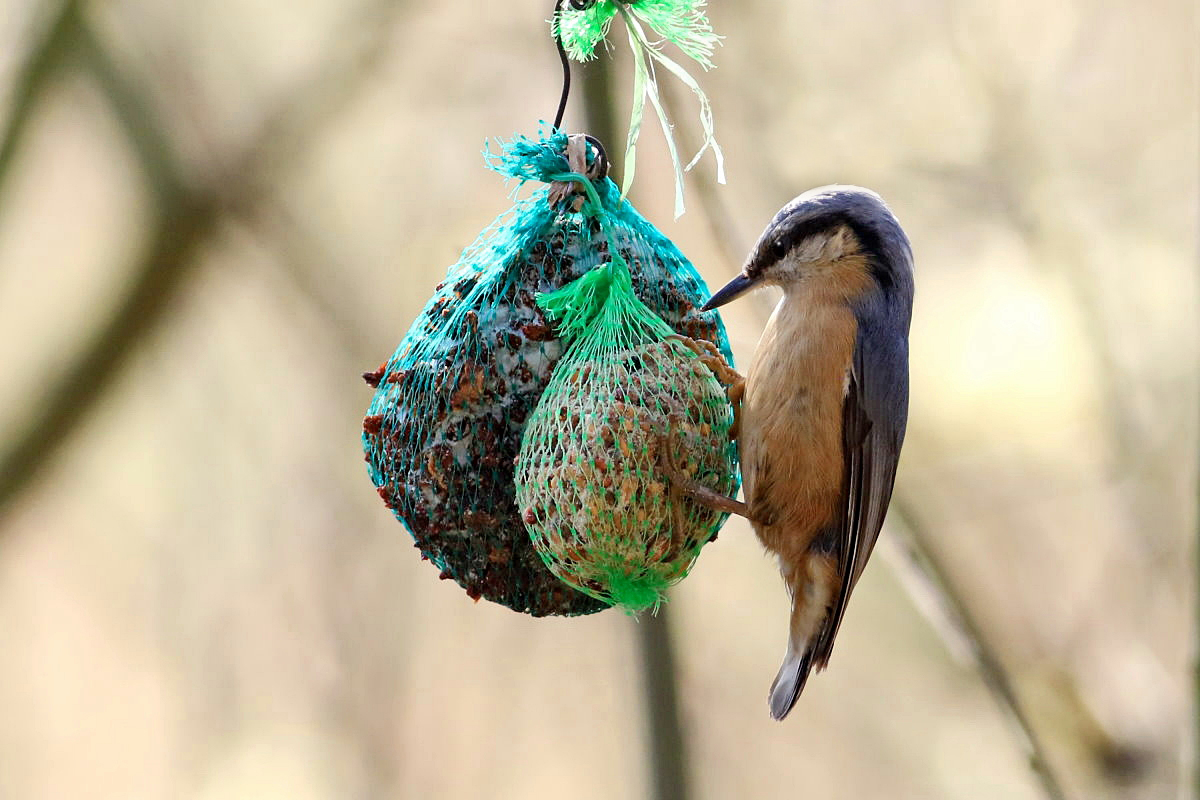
[(452, 403)]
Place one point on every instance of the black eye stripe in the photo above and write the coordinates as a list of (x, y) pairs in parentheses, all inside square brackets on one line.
[(868, 239), (804, 229)]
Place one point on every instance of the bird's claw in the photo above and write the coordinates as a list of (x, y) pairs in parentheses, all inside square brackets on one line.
[(680, 482), (735, 393), (734, 383)]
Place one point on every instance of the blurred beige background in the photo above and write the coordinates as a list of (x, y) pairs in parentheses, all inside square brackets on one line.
[(214, 216)]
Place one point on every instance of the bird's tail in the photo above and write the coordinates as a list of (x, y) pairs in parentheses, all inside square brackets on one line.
[(789, 682), (810, 641)]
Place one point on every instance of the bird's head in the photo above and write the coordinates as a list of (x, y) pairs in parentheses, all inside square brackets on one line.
[(840, 239)]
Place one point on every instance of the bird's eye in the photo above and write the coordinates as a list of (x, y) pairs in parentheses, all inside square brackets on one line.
[(777, 250)]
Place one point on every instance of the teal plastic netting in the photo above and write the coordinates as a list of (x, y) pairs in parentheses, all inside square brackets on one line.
[(451, 404)]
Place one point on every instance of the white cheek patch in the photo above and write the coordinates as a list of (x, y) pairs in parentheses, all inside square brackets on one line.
[(840, 244), (811, 249), (826, 247)]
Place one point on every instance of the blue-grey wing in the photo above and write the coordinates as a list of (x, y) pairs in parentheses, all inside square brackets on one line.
[(874, 417)]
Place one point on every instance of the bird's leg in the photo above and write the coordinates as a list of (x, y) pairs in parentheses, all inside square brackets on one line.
[(694, 489), (735, 384)]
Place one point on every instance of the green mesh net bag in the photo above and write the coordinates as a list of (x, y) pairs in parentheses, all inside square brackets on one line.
[(451, 404), (629, 404)]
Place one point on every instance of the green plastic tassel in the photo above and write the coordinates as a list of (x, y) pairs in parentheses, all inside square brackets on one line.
[(684, 24)]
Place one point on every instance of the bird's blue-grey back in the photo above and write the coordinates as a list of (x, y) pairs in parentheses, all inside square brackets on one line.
[(883, 314)]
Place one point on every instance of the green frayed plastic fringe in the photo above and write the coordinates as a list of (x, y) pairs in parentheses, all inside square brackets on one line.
[(527, 159), (683, 23), (680, 22), (636, 593), (600, 311)]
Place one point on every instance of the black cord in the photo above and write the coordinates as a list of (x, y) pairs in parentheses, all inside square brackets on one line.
[(566, 65), (578, 5), (601, 155), (601, 160)]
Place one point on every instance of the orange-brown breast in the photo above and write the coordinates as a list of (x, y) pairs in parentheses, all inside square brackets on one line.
[(791, 440)]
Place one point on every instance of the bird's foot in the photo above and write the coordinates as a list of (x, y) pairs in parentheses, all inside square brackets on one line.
[(735, 393), (735, 383), (682, 483)]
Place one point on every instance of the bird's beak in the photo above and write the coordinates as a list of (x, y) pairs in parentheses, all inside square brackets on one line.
[(731, 291)]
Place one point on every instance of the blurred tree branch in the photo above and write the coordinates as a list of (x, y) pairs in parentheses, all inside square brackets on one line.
[(660, 700), (187, 216), (303, 261), (42, 65), (1191, 752), (156, 156), (923, 574)]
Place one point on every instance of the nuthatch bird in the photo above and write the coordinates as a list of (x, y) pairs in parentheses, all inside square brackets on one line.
[(824, 406)]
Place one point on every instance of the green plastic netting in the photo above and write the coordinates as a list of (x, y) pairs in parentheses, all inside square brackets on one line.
[(452, 403), (628, 404)]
